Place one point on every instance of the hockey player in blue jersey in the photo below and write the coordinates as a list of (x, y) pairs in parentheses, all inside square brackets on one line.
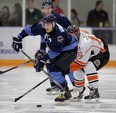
[(48, 8), (62, 49)]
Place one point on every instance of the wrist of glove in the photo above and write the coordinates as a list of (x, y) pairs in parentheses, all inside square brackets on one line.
[(17, 44), (41, 61), (38, 54)]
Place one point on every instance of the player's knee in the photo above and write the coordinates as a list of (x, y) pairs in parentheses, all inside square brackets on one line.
[(79, 75)]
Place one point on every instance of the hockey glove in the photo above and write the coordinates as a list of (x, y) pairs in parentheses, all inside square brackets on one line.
[(38, 54), (17, 44), (41, 61)]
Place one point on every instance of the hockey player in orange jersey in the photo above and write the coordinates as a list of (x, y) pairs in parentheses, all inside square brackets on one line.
[(92, 55)]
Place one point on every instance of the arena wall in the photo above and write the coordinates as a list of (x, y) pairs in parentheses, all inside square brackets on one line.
[(30, 45)]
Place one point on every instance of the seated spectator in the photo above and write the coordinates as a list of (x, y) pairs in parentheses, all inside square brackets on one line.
[(16, 16), (75, 19), (32, 14), (4, 16), (56, 7), (98, 17)]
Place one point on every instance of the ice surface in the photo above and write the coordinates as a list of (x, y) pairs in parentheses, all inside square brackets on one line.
[(16, 82)]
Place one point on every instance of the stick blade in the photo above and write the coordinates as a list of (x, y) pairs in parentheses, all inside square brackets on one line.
[(1, 72), (18, 98)]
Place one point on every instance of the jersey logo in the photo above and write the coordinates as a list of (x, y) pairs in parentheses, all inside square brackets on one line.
[(97, 62), (47, 39), (80, 54), (61, 14), (60, 39)]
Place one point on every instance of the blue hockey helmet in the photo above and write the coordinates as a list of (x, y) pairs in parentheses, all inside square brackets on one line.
[(47, 3), (49, 18)]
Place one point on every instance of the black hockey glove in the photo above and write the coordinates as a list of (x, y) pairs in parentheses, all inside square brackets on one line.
[(40, 62), (38, 54), (17, 44)]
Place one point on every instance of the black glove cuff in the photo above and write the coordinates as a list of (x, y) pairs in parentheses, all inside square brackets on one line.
[(17, 39)]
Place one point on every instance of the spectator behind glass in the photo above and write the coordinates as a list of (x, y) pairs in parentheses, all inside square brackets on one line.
[(4, 16), (16, 16), (56, 7), (98, 17), (75, 19), (0, 19), (32, 14)]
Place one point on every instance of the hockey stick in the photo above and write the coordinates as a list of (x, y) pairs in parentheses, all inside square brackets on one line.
[(55, 81), (18, 98), (2, 72), (48, 75), (27, 56)]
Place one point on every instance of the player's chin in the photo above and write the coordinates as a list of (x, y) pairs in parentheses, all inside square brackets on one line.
[(48, 31)]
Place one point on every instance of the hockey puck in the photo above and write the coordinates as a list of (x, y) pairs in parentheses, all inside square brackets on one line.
[(39, 105)]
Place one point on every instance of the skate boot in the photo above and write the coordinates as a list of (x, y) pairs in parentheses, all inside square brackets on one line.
[(79, 97), (63, 96), (52, 90), (94, 94)]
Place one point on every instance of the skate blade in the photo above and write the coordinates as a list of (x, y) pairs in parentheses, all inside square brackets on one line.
[(75, 100), (52, 93), (71, 90), (60, 103), (96, 100)]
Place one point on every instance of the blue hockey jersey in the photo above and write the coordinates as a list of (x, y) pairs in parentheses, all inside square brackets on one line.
[(60, 19), (57, 41)]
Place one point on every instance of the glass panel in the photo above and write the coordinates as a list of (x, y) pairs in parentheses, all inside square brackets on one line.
[(33, 11), (83, 7), (107, 34), (34, 15), (10, 12)]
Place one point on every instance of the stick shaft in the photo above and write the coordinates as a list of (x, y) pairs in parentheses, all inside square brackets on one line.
[(2, 72), (55, 82), (18, 98), (27, 56), (47, 74)]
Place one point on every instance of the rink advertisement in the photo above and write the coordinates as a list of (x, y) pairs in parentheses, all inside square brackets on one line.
[(6, 50), (30, 45)]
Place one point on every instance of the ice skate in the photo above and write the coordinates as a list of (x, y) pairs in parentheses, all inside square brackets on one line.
[(63, 96), (79, 97), (93, 95), (52, 90)]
